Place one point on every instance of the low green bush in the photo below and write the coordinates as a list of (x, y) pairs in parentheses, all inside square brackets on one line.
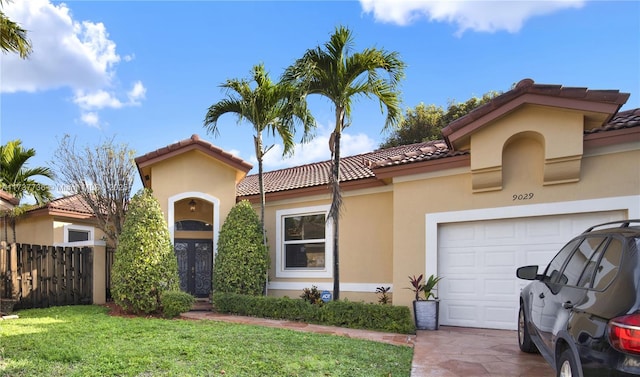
[(175, 302), (344, 313)]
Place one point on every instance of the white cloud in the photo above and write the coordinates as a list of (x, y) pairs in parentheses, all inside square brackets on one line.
[(316, 150), (483, 16), (97, 100), (66, 53), (136, 93), (91, 119)]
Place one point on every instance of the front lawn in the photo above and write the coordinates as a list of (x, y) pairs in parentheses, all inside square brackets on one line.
[(85, 341)]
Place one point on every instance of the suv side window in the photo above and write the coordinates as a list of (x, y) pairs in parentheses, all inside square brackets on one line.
[(609, 264), (552, 274), (597, 246), (576, 264)]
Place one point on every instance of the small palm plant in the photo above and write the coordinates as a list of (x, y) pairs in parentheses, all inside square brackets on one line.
[(418, 287)]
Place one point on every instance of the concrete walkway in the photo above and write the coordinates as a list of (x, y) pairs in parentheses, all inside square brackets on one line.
[(448, 352)]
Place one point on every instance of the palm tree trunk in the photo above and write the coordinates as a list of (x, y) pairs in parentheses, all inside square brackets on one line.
[(259, 156), (336, 200), (335, 217)]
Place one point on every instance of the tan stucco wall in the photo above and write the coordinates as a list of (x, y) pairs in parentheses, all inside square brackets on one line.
[(366, 241), (560, 131), (611, 174), (34, 230), (194, 171)]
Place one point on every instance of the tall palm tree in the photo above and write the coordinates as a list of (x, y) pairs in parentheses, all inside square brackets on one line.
[(18, 180), (13, 38), (274, 107), (340, 76)]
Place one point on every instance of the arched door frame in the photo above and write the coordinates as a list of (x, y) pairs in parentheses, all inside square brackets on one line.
[(215, 221)]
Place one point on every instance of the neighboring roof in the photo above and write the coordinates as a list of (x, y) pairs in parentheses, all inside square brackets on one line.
[(193, 143), (69, 206), (5, 196)]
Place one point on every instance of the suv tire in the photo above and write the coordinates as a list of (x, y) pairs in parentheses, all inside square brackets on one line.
[(524, 339), (567, 365)]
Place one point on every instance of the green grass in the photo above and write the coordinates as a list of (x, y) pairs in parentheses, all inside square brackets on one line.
[(85, 341)]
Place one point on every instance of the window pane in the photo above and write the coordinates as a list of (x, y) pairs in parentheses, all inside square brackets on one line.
[(608, 267), (304, 255), (78, 235), (310, 227), (193, 225), (553, 270), (579, 259)]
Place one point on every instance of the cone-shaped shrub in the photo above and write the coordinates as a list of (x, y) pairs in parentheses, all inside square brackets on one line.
[(144, 264), (242, 260)]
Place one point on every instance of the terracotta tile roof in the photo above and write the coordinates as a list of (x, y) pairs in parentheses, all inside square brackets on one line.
[(351, 168), (432, 151), (549, 92), (72, 203), (364, 165), (9, 198), (623, 119), (194, 142)]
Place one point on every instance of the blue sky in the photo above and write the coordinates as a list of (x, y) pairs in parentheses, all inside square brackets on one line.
[(145, 72)]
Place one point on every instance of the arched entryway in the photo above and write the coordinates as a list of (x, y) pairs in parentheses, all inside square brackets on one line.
[(193, 225)]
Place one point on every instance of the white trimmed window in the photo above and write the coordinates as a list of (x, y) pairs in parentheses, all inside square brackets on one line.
[(303, 243), (78, 233)]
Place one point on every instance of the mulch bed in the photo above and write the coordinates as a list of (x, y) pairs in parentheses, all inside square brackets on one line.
[(117, 311)]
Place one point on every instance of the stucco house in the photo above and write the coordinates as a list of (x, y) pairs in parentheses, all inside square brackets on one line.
[(510, 184)]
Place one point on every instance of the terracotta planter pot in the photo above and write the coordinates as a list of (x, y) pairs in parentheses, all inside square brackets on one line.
[(426, 314)]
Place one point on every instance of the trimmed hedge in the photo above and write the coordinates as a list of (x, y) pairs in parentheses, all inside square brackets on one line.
[(344, 313), (144, 264), (242, 259), (176, 302)]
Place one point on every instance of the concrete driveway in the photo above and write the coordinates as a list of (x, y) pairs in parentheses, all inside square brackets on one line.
[(459, 351)]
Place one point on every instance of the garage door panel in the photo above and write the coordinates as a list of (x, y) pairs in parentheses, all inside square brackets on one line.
[(459, 286), (478, 261), (499, 288), (504, 258), (499, 316)]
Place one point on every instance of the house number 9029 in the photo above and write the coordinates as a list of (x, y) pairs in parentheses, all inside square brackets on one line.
[(525, 196)]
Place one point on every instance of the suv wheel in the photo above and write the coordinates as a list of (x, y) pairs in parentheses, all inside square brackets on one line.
[(524, 339), (567, 364)]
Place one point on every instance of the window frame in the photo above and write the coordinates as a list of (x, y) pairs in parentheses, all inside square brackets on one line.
[(78, 228), (303, 272)]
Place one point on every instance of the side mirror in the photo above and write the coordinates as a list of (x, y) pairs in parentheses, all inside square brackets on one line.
[(527, 272)]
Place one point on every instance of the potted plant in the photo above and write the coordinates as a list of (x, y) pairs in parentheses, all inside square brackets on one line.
[(425, 309)]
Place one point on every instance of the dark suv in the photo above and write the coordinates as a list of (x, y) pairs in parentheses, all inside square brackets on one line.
[(583, 312)]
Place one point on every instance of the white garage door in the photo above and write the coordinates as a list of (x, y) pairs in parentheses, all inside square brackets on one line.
[(478, 261)]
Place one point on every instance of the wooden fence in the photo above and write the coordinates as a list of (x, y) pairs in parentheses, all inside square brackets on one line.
[(43, 276)]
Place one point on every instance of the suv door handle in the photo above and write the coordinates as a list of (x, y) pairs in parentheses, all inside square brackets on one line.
[(567, 305), (541, 295)]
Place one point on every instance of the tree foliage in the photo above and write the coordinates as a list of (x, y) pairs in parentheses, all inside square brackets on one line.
[(242, 259), (103, 176), (334, 72), (268, 106), (17, 179), (13, 38), (425, 122), (144, 265)]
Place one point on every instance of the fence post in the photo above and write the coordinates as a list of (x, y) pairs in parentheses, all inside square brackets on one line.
[(4, 269), (98, 274), (15, 288)]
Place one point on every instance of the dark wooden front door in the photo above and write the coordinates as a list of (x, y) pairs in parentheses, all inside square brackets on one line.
[(195, 262)]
